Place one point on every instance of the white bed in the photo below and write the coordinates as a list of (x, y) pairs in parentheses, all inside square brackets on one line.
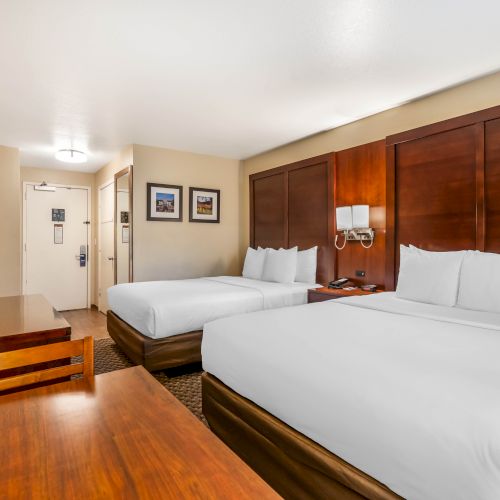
[(407, 392), (160, 309)]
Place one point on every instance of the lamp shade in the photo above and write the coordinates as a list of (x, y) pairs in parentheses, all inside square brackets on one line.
[(343, 218), (360, 216)]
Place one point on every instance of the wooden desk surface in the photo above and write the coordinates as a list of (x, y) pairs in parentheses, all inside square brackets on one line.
[(117, 435), (23, 314)]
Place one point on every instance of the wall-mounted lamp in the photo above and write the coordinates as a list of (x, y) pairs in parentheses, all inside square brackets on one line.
[(354, 223)]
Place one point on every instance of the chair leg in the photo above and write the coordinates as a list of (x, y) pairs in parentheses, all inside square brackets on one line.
[(88, 357)]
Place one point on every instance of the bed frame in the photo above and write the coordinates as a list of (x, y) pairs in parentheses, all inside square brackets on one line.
[(155, 354), (294, 465)]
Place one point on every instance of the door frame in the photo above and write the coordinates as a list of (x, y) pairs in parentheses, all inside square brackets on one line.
[(89, 232), (98, 246)]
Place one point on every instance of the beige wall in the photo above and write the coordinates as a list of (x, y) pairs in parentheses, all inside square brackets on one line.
[(123, 159), (65, 177), (172, 250), (473, 96), (10, 222)]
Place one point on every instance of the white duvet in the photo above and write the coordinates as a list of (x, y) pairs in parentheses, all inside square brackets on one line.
[(160, 309), (408, 394)]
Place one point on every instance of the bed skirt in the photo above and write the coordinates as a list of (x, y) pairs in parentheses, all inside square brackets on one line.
[(155, 354), (295, 466)]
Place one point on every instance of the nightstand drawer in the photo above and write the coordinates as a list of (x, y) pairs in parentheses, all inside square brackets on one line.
[(322, 294)]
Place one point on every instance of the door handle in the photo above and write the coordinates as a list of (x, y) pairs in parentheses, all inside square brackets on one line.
[(111, 258)]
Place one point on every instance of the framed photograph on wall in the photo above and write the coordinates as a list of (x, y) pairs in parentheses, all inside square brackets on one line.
[(204, 205), (164, 202)]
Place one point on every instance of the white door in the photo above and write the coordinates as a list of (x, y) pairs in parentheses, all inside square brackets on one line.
[(56, 237), (106, 243)]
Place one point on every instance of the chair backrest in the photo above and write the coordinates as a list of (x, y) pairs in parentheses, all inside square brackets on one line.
[(44, 354)]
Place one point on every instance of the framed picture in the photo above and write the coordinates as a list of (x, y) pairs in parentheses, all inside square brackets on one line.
[(124, 217), (164, 202), (204, 205)]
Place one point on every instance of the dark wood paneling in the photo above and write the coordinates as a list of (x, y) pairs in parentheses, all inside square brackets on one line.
[(292, 205), (390, 217), (360, 180), (435, 191), (492, 185), (444, 126), (268, 211), (452, 199), (309, 209), (438, 184)]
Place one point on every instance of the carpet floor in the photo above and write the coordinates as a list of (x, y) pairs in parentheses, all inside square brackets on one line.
[(183, 382)]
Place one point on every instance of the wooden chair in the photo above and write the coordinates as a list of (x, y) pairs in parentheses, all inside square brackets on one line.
[(44, 354)]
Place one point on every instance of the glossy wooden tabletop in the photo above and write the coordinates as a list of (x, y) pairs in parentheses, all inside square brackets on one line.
[(28, 313), (118, 435)]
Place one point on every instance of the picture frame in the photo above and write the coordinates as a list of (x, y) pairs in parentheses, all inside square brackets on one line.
[(204, 205), (164, 202)]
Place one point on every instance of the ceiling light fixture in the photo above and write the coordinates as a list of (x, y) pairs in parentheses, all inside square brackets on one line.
[(71, 156)]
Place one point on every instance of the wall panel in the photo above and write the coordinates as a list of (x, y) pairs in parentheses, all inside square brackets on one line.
[(492, 185), (360, 180), (292, 206), (269, 210)]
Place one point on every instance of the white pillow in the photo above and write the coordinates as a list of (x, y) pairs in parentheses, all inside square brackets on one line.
[(254, 263), (480, 282), (430, 277), (306, 266), (280, 265)]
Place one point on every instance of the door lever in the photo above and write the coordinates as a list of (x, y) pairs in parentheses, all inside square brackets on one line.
[(111, 258)]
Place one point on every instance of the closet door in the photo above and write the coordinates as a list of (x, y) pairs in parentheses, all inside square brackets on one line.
[(268, 210), (492, 185)]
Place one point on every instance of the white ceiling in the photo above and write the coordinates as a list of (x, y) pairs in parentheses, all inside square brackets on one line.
[(224, 77)]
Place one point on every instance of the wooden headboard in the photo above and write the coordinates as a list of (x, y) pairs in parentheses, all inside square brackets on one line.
[(443, 187), (292, 205)]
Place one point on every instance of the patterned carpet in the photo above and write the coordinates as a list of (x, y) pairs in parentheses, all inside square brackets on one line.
[(184, 382)]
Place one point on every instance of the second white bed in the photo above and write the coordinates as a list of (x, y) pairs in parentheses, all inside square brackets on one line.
[(408, 393), (161, 309)]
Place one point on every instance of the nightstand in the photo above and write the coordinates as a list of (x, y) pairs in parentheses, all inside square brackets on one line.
[(324, 293)]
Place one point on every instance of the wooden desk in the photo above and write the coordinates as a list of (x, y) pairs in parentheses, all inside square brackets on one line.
[(29, 320), (325, 293), (117, 435)]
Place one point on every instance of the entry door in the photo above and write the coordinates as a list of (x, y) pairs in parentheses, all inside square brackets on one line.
[(106, 244), (56, 246)]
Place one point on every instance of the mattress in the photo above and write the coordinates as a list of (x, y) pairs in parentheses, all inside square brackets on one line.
[(160, 309), (407, 393)]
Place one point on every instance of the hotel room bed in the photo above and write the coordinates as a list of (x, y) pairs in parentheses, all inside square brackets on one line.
[(339, 398), (159, 323)]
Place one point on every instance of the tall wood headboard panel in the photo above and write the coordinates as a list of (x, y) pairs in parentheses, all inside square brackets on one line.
[(292, 205), (360, 180), (443, 187)]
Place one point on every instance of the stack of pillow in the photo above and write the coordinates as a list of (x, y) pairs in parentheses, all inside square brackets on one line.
[(281, 266), (467, 279)]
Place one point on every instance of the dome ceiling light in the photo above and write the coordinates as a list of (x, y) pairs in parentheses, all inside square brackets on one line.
[(71, 156)]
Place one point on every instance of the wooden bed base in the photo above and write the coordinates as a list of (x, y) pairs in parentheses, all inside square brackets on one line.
[(295, 466), (155, 354)]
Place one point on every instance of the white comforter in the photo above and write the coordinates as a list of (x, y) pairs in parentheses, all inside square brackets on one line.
[(412, 401), (164, 308)]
